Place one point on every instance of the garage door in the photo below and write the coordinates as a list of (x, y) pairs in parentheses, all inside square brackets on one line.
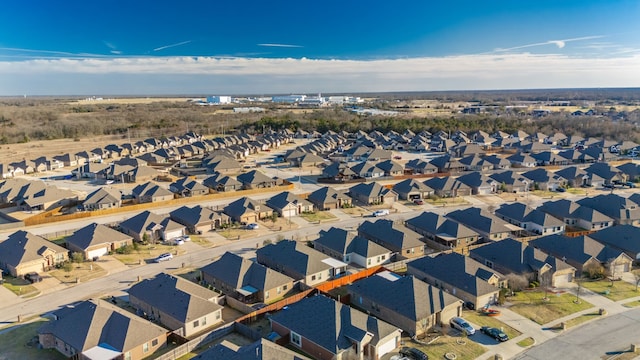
[(98, 252), (172, 234), (562, 280), (619, 269), (387, 347), (288, 213)]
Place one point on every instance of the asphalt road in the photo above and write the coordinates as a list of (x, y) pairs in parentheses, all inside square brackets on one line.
[(601, 339)]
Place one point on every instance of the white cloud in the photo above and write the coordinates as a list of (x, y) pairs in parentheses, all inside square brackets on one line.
[(265, 75)]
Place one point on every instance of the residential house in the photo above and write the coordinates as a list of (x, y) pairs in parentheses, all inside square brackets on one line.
[(460, 276), (479, 183), (511, 181), (610, 174), (103, 198), (349, 247), (448, 164), (23, 252), (545, 180), (514, 257), (367, 170), (490, 227), (300, 262), (336, 331), (549, 158), (390, 168), (499, 163), (630, 170), (622, 237), (246, 280), (402, 241), (222, 183), (418, 166), (67, 160), (91, 170), (576, 215), (327, 198), (95, 240), (448, 187), (96, 329), (578, 177), (522, 160), (178, 304), (585, 254), (151, 227), (187, 187), (199, 219), (288, 204), (621, 210), (533, 220), (223, 165), (338, 172), (423, 306), (150, 192), (411, 189), (262, 349), (49, 198), (254, 179), (372, 194), (306, 160), (441, 232), (246, 210), (476, 162)]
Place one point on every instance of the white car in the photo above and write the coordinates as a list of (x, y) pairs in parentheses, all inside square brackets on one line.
[(461, 325), (252, 226), (163, 257), (186, 238), (380, 213)]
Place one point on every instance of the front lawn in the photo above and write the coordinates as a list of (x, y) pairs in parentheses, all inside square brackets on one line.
[(318, 216), (632, 304), (81, 271), (480, 319), (147, 253), (21, 342), (580, 319), (461, 347), (19, 286), (451, 201), (619, 291), (531, 305), (526, 342)]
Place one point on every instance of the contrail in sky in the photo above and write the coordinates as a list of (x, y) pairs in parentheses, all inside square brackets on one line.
[(280, 45), (559, 43), (172, 45)]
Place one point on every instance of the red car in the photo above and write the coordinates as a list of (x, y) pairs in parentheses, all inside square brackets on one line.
[(418, 202)]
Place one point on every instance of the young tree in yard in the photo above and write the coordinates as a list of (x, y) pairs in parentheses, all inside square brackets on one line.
[(517, 282), (636, 275)]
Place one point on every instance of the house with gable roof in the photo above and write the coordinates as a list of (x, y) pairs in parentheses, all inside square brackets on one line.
[(349, 247), (95, 240), (23, 252)]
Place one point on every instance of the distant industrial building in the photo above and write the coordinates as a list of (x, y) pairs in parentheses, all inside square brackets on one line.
[(219, 100), (288, 99), (251, 109)]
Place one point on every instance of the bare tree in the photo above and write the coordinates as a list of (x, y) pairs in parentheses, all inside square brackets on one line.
[(517, 282)]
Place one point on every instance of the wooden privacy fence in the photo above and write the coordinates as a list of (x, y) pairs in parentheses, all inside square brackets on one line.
[(348, 279)]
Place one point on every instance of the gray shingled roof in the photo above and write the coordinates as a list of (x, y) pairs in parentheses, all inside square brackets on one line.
[(177, 297), (262, 349), (458, 271), (96, 322), (332, 324), (22, 246), (480, 220), (237, 271), (290, 254), (345, 242), (394, 236), (518, 257), (578, 249), (95, 234), (407, 296), (442, 226)]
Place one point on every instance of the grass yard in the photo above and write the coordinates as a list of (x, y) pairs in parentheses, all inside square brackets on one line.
[(483, 320), (202, 241), (531, 305), (462, 348), (619, 291), (632, 304), (454, 201), (318, 216), (147, 253), (82, 271), (22, 343), (19, 286), (526, 342), (356, 211), (580, 319)]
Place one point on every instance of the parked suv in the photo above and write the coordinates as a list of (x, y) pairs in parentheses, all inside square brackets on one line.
[(462, 325), (413, 353), (382, 212), (163, 257), (33, 277)]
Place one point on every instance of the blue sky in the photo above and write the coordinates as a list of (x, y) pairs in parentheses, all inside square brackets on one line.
[(254, 47)]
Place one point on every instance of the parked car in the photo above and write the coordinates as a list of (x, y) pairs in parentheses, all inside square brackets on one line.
[(469, 305), (33, 277), (413, 353), (495, 333), (608, 186), (418, 201), (462, 325), (186, 238), (252, 226), (561, 189), (178, 241), (397, 157), (163, 257), (382, 212), (630, 184)]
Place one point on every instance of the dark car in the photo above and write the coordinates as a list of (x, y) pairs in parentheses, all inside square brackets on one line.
[(413, 353), (495, 333), (469, 305), (33, 277), (561, 189)]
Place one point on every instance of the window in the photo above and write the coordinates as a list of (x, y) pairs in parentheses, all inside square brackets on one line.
[(489, 263), (266, 295), (284, 287), (296, 339), (154, 342), (313, 277), (408, 251), (369, 261), (145, 347), (196, 323), (204, 321), (218, 315), (279, 290), (127, 355), (384, 257)]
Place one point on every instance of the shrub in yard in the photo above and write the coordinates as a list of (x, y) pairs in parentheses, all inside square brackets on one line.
[(77, 257), (127, 249), (67, 266)]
